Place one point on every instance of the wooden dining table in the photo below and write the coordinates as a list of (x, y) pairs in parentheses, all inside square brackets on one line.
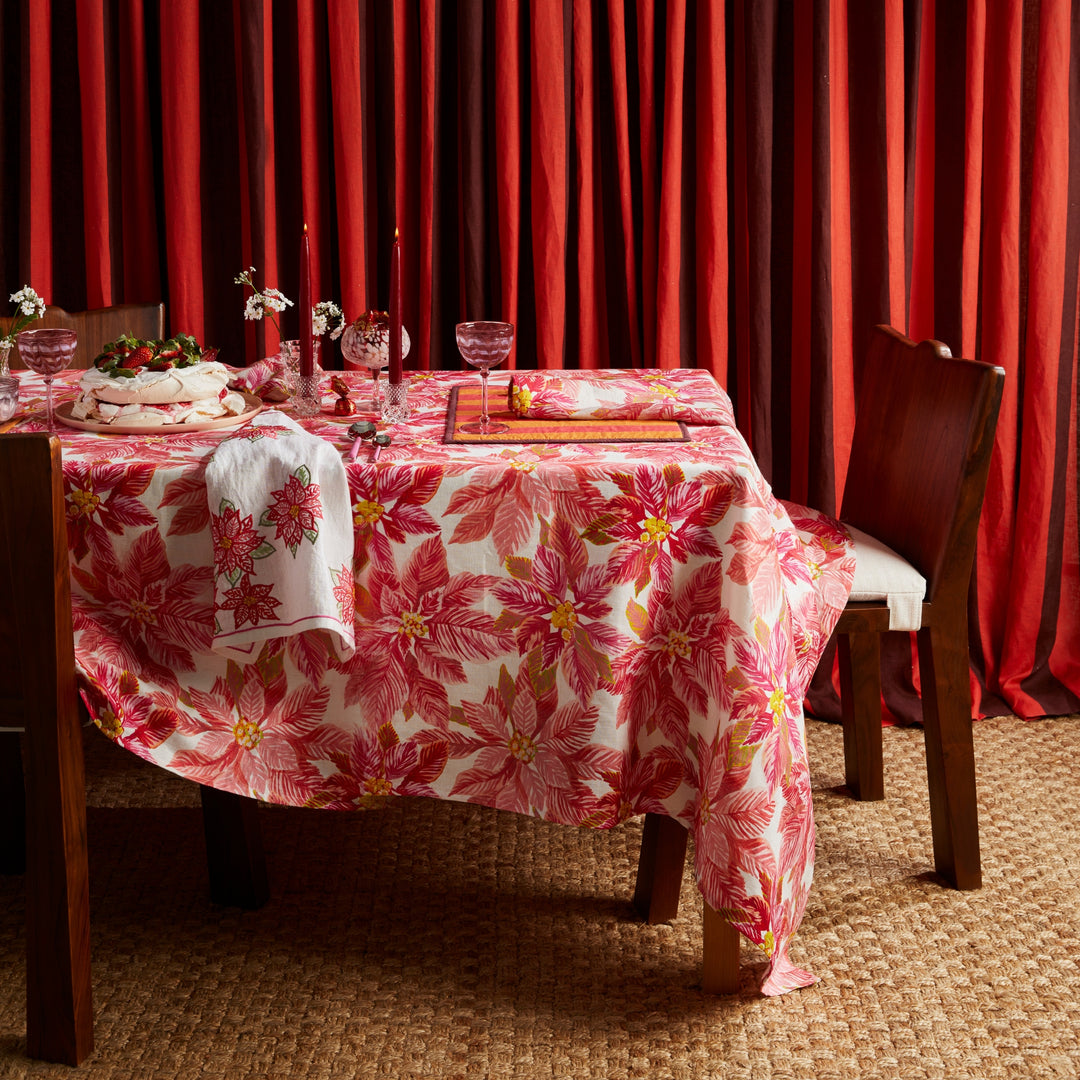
[(583, 631)]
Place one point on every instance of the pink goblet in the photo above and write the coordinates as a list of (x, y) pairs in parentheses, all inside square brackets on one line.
[(485, 345), (47, 352)]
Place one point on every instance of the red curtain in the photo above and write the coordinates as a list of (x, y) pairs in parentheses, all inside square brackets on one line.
[(746, 187)]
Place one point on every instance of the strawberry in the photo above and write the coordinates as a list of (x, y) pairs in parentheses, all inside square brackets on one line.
[(138, 358)]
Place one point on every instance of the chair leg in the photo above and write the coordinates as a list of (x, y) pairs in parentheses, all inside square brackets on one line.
[(950, 753), (234, 849), (660, 868), (12, 805), (859, 657), (59, 1008), (720, 974)]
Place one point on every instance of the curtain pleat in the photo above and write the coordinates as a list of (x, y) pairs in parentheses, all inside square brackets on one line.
[(747, 187)]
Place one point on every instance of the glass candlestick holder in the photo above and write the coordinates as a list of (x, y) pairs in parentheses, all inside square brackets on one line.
[(306, 400), (396, 405)]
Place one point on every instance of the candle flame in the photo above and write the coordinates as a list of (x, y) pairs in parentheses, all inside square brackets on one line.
[(395, 234), (305, 226)]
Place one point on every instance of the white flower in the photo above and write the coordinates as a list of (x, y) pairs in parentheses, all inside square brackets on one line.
[(326, 316), (261, 303), (29, 306), (275, 300)]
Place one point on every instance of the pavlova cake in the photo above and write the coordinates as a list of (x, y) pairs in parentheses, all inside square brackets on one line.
[(156, 382)]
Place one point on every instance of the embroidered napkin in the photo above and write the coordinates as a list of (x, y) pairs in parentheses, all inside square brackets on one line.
[(687, 394), (265, 378), (281, 523)]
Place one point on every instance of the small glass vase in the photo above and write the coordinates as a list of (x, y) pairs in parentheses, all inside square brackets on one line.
[(5, 356), (289, 355)]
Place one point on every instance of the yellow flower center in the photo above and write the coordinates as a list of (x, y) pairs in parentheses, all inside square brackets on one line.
[(247, 733), (143, 613), (656, 531), (378, 785), (815, 571), (226, 542), (86, 502), (678, 644), (111, 724), (703, 809), (522, 747), (366, 512), (522, 398), (294, 511), (564, 618), (776, 704), (523, 466), (626, 810), (412, 624)]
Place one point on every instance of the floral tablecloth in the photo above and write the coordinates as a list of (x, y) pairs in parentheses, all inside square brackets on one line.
[(581, 632)]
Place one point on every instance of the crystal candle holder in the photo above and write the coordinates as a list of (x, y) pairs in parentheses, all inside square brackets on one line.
[(396, 405), (9, 397), (306, 399)]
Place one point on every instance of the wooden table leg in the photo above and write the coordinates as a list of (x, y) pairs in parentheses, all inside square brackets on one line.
[(720, 973), (660, 868), (234, 849)]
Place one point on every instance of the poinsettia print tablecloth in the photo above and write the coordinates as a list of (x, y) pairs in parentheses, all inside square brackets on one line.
[(582, 632)]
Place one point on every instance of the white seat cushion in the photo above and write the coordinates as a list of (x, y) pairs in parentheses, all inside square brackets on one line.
[(881, 574)]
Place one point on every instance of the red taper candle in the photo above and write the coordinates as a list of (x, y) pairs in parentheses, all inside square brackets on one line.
[(395, 311), (307, 343)]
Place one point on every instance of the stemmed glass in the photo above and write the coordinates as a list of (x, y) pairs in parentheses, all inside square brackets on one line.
[(366, 343), (484, 345), (47, 352)]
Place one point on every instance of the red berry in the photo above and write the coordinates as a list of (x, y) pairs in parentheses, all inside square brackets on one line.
[(138, 358)]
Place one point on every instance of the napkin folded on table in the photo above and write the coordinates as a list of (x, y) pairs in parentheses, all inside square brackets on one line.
[(686, 394), (281, 522), (264, 378)]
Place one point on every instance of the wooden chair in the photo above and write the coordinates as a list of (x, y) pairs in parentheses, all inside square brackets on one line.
[(37, 684), (920, 455), (42, 800), (98, 326)]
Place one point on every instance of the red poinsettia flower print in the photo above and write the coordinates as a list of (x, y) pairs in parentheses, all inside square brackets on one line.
[(379, 764), (679, 665), (727, 817), (295, 511), (139, 612), (344, 593), (559, 603), (236, 543), (388, 506), (504, 504), (640, 785), (660, 517), (254, 737), (415, 630), (124, 711), (766, 693), (533, 754), (250, 603), (103, 499)]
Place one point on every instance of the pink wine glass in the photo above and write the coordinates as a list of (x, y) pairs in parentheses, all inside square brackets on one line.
[(484, 345), (47, 352)]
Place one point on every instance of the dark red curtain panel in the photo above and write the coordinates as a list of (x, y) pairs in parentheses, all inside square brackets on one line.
[(746, 187)]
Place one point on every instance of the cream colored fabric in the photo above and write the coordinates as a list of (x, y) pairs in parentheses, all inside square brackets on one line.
[(881, 574)]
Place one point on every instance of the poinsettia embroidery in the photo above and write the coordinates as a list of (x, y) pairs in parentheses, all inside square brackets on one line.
[(236, 543), (250, 603), (295, 510)]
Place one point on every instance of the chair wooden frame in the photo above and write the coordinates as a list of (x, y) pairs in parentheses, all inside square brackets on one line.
[(920, 457), (97, 326), (34, 577), (42, 770)]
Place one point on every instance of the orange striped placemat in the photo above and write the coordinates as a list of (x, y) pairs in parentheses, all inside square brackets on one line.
[(464, 407)]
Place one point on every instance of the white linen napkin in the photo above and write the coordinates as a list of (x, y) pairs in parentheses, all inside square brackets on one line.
[(281, 523)]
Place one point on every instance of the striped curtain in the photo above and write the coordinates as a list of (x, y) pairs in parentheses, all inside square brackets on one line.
[(746, 187)]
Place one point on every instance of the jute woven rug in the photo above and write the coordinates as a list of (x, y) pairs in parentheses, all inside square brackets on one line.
[(440, 940)]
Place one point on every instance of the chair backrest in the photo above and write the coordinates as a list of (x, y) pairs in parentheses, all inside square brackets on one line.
[(98, 326), (924, 432), (37, 691)]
